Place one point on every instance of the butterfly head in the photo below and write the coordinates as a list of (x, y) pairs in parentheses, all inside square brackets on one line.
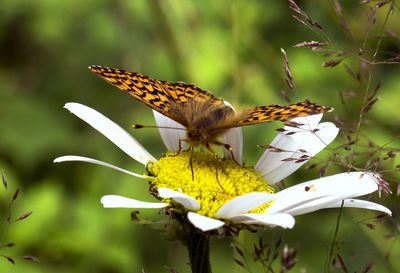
[(197, 137), (204, 122)]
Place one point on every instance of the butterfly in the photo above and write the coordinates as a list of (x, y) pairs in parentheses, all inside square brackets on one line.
[(204, 116)]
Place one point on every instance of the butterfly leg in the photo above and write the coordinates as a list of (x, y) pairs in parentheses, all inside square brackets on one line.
[(229, 148), (216, 157), (191, 154), (180, 146)]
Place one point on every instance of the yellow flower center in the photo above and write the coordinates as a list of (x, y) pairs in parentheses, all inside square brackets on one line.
[(174, 172)]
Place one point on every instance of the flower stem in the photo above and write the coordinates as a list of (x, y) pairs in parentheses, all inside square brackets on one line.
[(199, 251)]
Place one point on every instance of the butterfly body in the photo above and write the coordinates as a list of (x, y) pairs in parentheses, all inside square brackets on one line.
[(204, 116), (203, 121)]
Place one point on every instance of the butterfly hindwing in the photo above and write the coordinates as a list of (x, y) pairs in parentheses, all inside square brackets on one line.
[(182, 92), (270, 113)]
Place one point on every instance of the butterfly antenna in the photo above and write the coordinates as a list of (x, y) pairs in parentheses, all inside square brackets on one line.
[(138, 126)]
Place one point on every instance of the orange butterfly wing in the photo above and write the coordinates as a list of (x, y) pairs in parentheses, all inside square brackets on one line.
[(274, 112), (159, 95)]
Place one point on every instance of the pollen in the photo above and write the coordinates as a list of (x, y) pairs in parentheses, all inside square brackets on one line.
[(211, 189)]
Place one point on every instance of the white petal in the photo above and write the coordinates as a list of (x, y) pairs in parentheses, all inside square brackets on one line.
[(271, 166), (354, 203), (327, 132), (313, 205), (310, 122), (184, 199), (112, 131), (116, 201), (243, 203), (170, 137), (269, 160), (277, 219), (316, 194), (313, 144), (233, 137), (204, 223), (94, 161)]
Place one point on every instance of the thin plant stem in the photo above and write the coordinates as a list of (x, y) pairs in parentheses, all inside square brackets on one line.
[(335, 235), (369, 81), (3, 236)]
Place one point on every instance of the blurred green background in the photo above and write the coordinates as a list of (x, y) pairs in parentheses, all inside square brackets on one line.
[(231, 48)]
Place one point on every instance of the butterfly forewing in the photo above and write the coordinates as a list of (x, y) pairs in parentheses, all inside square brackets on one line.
[(149, 91), (159, 95)]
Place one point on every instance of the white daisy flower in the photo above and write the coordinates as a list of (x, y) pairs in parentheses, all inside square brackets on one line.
[(242, 195)]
